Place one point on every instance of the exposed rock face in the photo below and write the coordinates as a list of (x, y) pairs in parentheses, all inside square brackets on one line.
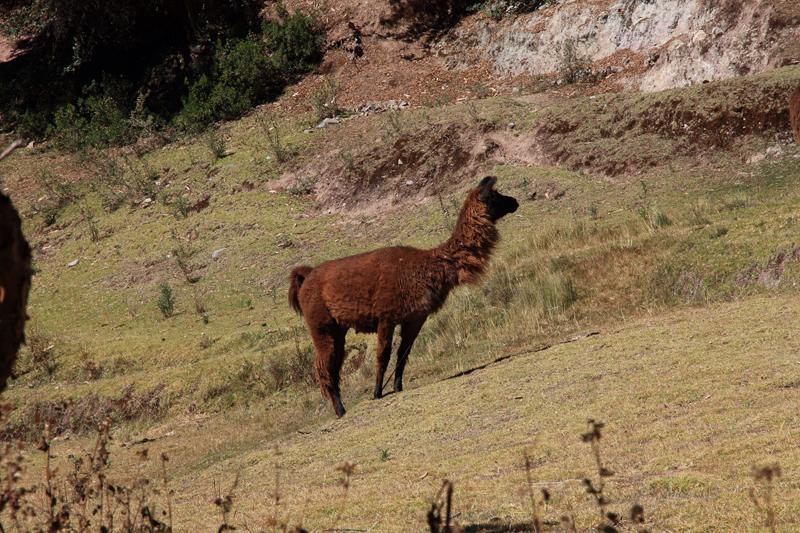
[(669, 43), (794, 114), (15, 281)]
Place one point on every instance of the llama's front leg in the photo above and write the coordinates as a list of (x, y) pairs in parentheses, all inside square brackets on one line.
[(408, 334), (385, 333)]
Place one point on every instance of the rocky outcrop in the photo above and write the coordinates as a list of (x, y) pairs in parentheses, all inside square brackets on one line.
[(664, 44), (794, 114), (15, 280)]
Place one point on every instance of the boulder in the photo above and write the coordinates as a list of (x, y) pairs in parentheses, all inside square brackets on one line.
[(15, 282)]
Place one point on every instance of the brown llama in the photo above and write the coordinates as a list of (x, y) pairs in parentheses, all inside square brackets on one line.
[(794, 114), (376, 291), (15, 282)]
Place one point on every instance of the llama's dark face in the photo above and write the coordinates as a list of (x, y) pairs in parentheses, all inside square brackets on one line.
[(497, 205)]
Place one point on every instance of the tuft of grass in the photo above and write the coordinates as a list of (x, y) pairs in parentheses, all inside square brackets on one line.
[(323, 100), (179, 207), (91, 223), (275, 142), (166, 300), (215, 143)]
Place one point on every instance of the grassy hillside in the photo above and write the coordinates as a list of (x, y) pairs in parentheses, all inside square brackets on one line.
[(225, 376)]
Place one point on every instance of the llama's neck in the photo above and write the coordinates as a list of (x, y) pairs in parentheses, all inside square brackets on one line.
[(466, 253)]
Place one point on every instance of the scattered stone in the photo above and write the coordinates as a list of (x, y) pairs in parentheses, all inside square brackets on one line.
[(229, 152), (512, 125), (216, 253), (328, 121), (774, 151), (409, 182), (699, 37), (147, 202), (73, 263), (756, 158), (379, 107)]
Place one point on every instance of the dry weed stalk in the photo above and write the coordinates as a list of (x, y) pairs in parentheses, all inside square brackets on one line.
[(766, 476), (597, 490), (346, 468), (609, 521), (225, 505), (536, 518), (443, 501)]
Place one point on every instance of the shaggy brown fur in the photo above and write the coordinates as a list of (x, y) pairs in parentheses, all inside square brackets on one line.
[(376, 291), (15, 281), (794, 113)]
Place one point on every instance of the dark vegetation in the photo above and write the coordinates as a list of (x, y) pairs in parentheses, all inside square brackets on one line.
[(93, 75)]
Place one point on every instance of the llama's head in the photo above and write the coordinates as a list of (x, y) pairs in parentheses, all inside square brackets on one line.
[(497, 205)]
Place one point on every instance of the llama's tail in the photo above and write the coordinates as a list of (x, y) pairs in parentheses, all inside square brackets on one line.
[(296, 279)]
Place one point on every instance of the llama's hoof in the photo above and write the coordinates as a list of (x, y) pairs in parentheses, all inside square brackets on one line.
[(398, 387), (338, 406), (377, 395)]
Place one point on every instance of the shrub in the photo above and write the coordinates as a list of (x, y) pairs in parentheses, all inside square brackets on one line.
[(271, 130), (241, 76), (294, 41), (96, 120), (323, 100), (166, 301), (216, 144)]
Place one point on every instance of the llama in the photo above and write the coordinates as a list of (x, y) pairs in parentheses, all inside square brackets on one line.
[(374, 292), (15, 282)]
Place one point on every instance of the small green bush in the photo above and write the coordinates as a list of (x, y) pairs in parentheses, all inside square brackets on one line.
[(96, 120), (294, 41), (323, 100), (216, 144), (166, 301), (241, 77)]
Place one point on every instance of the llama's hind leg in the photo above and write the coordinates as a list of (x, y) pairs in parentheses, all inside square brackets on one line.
[(385, 334), (408, 334), (328, 364)]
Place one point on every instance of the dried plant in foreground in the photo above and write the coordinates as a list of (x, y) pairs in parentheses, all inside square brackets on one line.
[(609, 520), (763, 499), (536, 518), (443, 501)]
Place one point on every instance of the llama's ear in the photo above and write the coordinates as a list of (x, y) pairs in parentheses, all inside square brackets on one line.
[(488, 182)]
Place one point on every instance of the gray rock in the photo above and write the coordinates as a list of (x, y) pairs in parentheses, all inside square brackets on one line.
[(73, 263), (216, 253), (328, 121), (774, 151)]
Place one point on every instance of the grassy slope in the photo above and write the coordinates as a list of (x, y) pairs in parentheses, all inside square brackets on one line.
[(560, 269), (691, 400)]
